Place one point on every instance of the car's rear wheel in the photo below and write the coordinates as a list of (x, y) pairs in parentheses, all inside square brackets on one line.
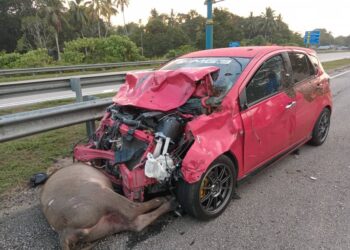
[(320, 131), (209, 197)]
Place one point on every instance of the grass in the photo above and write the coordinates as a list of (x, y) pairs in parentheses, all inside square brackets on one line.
[(328, 66), (21, 158)]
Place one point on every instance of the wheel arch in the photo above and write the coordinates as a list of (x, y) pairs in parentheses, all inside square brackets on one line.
[(234, 160)]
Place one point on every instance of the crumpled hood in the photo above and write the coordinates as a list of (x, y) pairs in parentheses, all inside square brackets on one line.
[(161, 90)]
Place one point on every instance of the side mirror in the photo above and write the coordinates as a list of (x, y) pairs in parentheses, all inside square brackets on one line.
[(317, 69), (243, 104)]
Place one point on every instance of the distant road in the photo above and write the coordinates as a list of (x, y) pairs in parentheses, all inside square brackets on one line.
[(36, 98), (326, 57)]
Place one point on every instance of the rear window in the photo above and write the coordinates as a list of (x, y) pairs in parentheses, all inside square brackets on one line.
[(230, 69), (301, 67)]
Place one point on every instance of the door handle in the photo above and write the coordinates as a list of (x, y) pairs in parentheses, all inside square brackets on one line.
[(291, 105)]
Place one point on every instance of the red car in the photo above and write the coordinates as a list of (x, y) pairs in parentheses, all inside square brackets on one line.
[(207, 119)]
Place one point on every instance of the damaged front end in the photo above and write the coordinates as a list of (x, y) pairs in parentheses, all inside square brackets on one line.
[(145, 135)]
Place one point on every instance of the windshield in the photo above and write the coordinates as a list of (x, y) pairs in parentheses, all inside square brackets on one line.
[(230, 69)]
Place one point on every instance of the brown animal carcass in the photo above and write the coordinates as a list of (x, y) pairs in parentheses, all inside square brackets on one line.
[(79, 203)]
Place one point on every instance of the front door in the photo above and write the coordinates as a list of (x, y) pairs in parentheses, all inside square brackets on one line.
[(269, 117), (305, 82)]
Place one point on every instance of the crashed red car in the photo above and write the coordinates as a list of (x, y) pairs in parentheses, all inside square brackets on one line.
[(207, 119)]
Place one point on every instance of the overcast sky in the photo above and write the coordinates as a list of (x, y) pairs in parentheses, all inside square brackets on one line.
[(301, 15)]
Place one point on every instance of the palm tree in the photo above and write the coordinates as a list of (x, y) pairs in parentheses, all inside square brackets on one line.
[(251, 25), (269, 22), (79, 13), (53, 11), (102, 8), (95, 13), (122, 4), (108, 9)]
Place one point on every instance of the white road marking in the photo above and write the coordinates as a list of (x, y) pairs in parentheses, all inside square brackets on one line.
[(340, 74), (108, 91)]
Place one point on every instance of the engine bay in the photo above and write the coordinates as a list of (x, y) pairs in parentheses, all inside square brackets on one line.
[(140, 150)]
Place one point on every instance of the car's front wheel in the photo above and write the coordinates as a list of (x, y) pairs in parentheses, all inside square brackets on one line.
[(320, 131), (209, 197)]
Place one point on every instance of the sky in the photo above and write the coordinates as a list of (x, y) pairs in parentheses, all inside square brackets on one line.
[(300, 15)]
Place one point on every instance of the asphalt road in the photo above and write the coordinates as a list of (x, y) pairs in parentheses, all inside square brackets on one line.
[(326, 57), (281, 207), (35, 98)]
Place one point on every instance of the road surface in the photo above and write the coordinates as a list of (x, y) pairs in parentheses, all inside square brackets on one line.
[(36, 98), (326, 57), (281, 207)]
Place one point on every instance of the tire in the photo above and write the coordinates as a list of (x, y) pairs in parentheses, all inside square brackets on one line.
[(202, 199), (321, 129)]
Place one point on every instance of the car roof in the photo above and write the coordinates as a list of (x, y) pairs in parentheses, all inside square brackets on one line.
[(249, 51)]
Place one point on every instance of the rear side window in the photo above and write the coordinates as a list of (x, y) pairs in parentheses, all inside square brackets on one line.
[(267, 81), (301, 67)]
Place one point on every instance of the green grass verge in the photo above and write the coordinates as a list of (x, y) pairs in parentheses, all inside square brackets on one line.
[(328, 66), (20, 159)]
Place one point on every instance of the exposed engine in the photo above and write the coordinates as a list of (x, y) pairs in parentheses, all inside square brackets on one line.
[(140, 150), (143, 138)]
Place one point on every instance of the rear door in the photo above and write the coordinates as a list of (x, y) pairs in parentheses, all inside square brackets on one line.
[(269, 116), (305, 84)]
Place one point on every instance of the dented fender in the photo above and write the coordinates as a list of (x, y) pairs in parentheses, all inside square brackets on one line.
[(213, 135)]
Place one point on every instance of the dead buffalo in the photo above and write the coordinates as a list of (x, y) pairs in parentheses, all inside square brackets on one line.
[(80, 205)]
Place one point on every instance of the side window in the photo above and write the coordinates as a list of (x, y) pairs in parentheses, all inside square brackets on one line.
[(267, 80), (301, 67)]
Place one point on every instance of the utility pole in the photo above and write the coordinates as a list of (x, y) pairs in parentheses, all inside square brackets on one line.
[(141, 29), (209, 23)]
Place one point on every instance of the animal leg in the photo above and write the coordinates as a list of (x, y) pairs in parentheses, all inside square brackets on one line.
[(144, 220), (70, 237), (147, 206), (107, 225)]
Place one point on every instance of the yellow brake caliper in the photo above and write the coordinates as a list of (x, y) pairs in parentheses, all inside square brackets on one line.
[(202, 191)]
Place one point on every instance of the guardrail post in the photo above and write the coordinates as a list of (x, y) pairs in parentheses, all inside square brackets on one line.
[(76, 87), (90, 125)]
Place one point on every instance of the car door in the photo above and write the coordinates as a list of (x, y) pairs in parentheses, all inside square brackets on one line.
[(268, 114), (304, 80)]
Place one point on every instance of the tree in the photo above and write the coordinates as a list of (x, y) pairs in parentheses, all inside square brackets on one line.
[(326, 37), (11, 14), (37, 33), (227, 28), (122, 4), (53, 11), (269, 23), (251, 25), (78, 11), (102, 9)]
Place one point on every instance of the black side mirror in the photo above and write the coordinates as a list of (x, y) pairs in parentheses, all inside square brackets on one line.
[(243, 104), (316, 70)]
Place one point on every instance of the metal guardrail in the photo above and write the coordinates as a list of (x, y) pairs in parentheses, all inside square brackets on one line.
[(58, 84), (60, 69), (18, 125)]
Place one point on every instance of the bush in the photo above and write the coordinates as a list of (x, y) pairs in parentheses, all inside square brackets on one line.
[(34, 59), (184, 49), (73, 57), (101, 50), (9, 60)]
